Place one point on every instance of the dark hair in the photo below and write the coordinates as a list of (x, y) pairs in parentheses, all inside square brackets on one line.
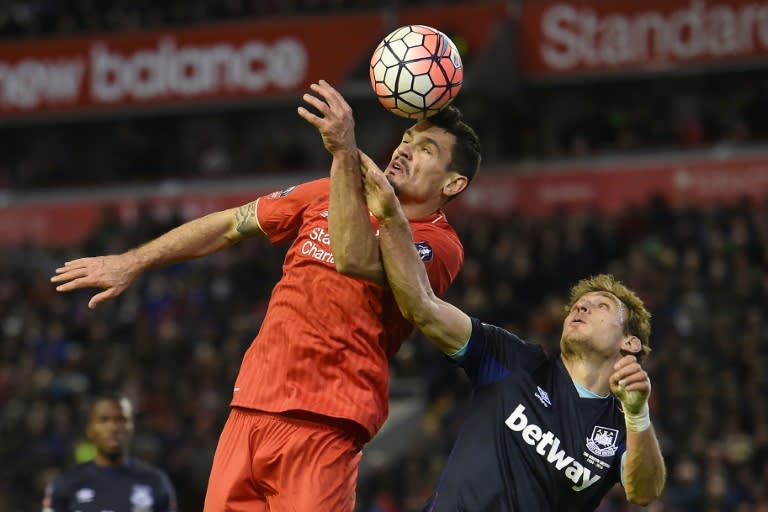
[(107, 396), (466, 153)]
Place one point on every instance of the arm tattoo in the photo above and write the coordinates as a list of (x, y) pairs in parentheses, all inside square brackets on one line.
[(245, 216)]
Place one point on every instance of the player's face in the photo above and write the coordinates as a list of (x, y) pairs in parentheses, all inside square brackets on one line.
[(418, 170), (109, 428), (595, 324)]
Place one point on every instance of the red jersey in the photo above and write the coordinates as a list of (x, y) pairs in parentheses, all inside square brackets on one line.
[(324, 345)]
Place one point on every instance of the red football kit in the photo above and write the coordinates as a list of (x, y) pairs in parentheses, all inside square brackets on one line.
[(320, 360)]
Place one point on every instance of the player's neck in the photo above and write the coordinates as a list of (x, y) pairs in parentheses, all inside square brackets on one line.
[(104, 461), (589, 375), (419, 211)]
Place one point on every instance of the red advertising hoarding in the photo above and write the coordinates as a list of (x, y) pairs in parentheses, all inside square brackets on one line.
[(614, 186), (211, 63), (598, 36), (695, 182), (223, 62)]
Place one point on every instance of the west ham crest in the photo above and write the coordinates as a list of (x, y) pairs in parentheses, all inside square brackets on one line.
[(603, 441)]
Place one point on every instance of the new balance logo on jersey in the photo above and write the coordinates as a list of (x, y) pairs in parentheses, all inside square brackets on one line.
[(533, 435), (281, 193)]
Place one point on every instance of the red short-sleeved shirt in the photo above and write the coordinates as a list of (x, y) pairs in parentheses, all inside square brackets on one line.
[(325, 341)]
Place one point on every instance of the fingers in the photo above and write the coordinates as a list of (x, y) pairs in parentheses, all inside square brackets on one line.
[(72, 275), (631, 377), (101, 297), (369, 166), (316, 102), (624, 361), (332, 97), (69, 266), (74, 284), (635, 382), (366, 162), (309, 117), (329, 101)]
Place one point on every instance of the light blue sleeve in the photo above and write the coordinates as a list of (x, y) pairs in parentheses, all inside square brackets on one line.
[(623, 456), (459, 354)]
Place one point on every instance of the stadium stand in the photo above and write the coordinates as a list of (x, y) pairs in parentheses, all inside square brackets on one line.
[(701, 270)]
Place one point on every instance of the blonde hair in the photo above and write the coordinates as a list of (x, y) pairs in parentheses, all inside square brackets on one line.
[(638, 319)]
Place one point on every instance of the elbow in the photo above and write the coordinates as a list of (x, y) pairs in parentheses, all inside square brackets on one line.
[(344, 267), (351, 269), (345, 263), (645, 498), (640, 500), (418, 312)]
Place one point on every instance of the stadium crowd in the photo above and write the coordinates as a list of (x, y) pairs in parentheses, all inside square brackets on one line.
[(536, 123), (173, 344), (39, 18)]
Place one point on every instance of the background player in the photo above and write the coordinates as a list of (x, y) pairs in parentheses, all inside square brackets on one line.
[(112, 481), (313, 386), (542, 433)]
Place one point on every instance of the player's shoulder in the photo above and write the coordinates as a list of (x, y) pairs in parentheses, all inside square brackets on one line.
[(500, 333), (139, 466), (435, 228), (72, 474), (506, 342), (316, 187)]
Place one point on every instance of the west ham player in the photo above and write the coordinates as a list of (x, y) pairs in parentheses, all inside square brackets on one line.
[(542, 433), (112, 481), (313, 386)]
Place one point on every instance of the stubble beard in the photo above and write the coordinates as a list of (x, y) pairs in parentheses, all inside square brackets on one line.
[(574, 347), (394, 185)]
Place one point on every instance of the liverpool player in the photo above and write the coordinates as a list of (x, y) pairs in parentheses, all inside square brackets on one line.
[(543, 433), (313, 386)]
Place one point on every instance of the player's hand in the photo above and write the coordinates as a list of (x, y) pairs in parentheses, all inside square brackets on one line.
[(379, 194), (630, 383), (336, 123), (113, 273)]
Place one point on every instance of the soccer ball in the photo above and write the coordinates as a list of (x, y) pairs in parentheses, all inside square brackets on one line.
[(416, 71)]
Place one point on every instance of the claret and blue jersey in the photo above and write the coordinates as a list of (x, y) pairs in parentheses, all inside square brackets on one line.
[(531, 441)]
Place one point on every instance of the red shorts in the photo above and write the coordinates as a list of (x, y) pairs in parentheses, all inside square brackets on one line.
[(271, 463)]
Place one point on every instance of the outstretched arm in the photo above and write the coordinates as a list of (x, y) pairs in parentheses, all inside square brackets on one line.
[(644, 471), (353, 243), (446, 325), (196, 238)]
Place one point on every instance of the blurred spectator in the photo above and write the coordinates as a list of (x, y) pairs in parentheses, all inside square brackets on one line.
[(108, 478)]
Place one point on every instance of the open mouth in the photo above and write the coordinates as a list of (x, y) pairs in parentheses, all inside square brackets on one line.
[(397, 166)]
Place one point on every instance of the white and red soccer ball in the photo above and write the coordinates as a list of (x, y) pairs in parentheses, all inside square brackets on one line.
[(416, 71)]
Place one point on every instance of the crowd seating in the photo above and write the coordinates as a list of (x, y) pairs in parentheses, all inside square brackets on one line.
[(173, 342)]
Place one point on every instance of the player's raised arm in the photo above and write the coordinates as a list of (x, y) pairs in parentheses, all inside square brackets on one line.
[(644, 471), (354, 246), (443, 323), (196, 238)]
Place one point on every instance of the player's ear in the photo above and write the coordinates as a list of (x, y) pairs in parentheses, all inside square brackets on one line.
[(632, 344), (457, 183)]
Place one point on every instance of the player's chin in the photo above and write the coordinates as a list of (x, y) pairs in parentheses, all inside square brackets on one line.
[(572, 344), (394, 181)]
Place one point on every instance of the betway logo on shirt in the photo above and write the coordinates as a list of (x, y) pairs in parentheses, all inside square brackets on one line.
[(548, 446)]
